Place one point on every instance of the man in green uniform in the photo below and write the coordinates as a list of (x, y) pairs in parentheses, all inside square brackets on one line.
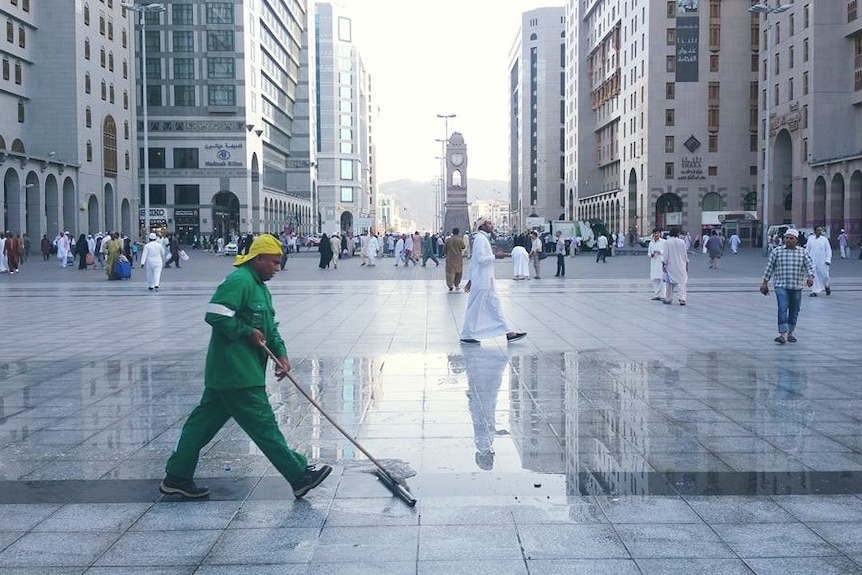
[(243, 321)]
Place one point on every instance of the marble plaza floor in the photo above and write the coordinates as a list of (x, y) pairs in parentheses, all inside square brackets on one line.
[(621, 436)]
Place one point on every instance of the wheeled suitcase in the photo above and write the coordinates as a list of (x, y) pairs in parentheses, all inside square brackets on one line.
[(122, 270)]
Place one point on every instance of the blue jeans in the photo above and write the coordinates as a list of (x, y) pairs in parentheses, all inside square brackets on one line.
[(789, 302)]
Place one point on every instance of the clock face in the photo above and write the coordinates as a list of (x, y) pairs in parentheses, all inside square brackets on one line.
[(456, 159)]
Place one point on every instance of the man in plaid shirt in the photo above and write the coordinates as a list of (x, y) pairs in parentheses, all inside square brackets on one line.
[(789, 267)]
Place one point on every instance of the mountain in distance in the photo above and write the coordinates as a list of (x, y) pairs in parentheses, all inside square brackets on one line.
[(416, 199)]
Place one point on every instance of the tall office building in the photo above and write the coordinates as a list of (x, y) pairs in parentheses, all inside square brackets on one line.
[(660, 122), (66, 118), (536, 118), (815, 167), (345, 119), (222, 88)]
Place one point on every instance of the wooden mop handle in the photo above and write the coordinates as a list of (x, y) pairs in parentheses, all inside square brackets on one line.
[(326, 415)]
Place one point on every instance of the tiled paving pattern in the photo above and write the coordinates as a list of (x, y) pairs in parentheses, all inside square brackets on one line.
[(620, 436)]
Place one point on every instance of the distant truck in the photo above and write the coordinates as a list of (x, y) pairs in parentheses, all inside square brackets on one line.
[(587, 230)]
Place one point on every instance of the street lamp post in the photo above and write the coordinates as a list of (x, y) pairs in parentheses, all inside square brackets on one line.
[(765, 10), (142, 9)]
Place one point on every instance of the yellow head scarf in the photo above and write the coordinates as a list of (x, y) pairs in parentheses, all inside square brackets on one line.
[(263, 244)]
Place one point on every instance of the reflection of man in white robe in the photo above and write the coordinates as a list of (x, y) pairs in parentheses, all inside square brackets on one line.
[(820, 251), (372, 246), (484, 368), (675, 261), (484, 316), (4, 262)]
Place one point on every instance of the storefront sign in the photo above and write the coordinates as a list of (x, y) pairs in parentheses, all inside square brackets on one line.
[(222, 155), (691, 168)]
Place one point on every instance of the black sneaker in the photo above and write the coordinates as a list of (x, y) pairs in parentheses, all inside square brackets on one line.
[(470, 341), (310, 479), (515, 336), (828, 290), (173, 485)]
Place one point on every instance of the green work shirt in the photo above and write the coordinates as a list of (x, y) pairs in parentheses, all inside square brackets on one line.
[(241, 303)]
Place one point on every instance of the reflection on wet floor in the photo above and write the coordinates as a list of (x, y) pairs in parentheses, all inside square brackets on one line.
[(556, 424)]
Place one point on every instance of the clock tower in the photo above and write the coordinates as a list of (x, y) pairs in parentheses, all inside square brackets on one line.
[(456, 215)]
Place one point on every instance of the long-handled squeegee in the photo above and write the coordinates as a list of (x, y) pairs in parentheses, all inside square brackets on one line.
[(398, 487)]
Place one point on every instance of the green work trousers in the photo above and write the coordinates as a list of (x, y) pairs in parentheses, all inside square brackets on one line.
[(250, 408)]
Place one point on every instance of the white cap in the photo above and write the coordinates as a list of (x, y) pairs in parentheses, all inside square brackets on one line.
[(153, 236), (792, 232)]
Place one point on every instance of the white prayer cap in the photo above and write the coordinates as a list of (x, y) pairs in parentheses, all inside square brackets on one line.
[(792, 232), (481, 221), (153, 236)]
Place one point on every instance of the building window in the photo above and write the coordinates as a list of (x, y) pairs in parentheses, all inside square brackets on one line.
[(219, 13), (713, 63), (752, 142), (154, 95), (346, 194), (111, 93), (109, 146), (184, 68), (669, 117), (346, 171), (713, 143), (102, 58), (89, 151), (671, 9), (220, 41), (186, 158), (670, 90), (104, 90), (188, 194), (790, 88), (222, 68), (110, 61), (154, 68), (182, 14), (805, 84), (6, 69), (805, 116), (222, 95), (125, 70), (20, 111), (123, 36), (110, 30), (712, 201), (805, 50), (184, 95), (805, 150), (670, 64), (806, 16), (86, 14), (668, 170), (87, 83), (776, 93), (126, 130), (128, 160), (713, 91), (125, 100), (712, 119), (87, 49), (157, 158), (712, 170), (790, 57), (668, 144), (183, 40), (102, 25), (670, 37), (18, 73)]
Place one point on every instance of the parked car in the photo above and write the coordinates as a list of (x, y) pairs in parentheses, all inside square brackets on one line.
[(230, 249)]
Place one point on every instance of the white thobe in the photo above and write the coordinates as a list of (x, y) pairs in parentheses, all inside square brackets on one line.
[(820, 251), (399, 251), (521, 261), (484, 315), (152, 258), (62, 243), (372, 246), (675, 259), (4, 261), (655, 251), (734, 243)]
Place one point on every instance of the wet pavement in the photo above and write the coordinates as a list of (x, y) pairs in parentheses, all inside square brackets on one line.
[(621, 436)]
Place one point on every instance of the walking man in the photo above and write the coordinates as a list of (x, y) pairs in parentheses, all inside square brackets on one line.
[(484, 315), (602, 248), (453, 250), (561, 255), (788, 267), (713, 248), (153, 258), (429, 249), (655, 251), (820, 251), (844, 244), (243, 322), (675, 267)]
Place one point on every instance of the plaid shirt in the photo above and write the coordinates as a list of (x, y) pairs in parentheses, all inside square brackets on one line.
[(788, 268)]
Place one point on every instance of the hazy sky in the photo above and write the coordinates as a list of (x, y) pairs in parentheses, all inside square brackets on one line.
[(430, 57)]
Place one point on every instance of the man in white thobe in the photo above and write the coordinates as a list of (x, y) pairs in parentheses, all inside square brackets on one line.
[(820, 251), (369, 252), (153, 258), (734, 243), (655, 251), (484, 315), (399, 251), (363, 248), (675, 265), (63, 245), (4, 262)]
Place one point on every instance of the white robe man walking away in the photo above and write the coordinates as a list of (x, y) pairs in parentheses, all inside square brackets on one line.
[(484, 315), (820, 251), (675, 260), (655, 251), (152, 258), (372, 246)]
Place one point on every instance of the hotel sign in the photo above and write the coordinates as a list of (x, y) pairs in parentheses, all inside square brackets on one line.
[(687, 41), (224, 155)]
